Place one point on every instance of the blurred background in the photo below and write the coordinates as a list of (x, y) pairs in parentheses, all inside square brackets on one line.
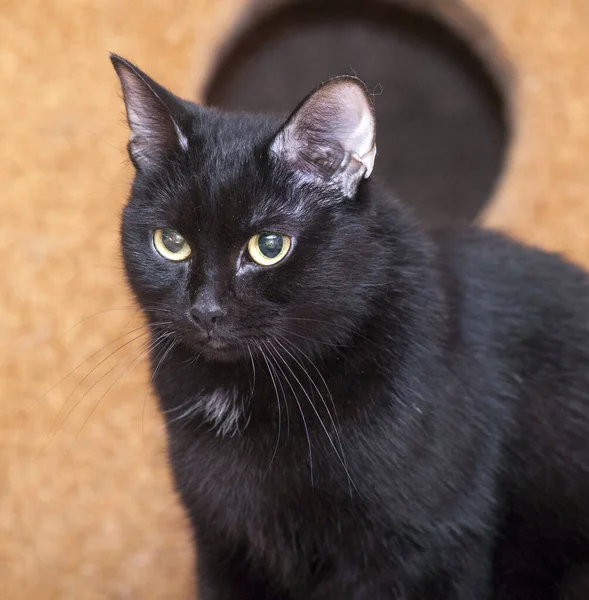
[(483, 115)]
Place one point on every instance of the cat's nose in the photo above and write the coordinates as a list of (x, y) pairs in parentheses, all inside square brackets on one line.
[(207, 315)]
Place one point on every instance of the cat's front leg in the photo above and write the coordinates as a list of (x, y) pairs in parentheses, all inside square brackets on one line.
[(224, 578), (465, 577), (370, 588), (470, 588), (463, 573)]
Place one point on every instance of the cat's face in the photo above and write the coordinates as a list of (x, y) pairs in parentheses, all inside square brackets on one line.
[(243, 233)]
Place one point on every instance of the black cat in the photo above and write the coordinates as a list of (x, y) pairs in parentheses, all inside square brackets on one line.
[(356, 410)]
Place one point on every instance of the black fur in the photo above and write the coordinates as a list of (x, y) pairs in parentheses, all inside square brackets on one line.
[(390, 415)]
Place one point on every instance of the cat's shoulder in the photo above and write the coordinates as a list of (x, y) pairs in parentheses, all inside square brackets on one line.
[(481, 254), (498, 280), (509, 292)]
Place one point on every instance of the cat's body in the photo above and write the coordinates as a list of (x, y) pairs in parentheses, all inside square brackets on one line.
[(529, 310), (386, 414)]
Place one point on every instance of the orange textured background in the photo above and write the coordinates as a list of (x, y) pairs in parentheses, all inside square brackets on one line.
[(87, 509)]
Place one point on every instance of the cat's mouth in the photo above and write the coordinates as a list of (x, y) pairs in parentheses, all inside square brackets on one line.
[(214, 345)]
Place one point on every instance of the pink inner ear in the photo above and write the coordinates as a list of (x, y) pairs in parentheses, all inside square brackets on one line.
[(341, 111), (153, 129), (331, 136)]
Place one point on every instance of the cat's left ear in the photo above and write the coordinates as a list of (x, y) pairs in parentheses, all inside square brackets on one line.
[(152, 116), (330, 138)]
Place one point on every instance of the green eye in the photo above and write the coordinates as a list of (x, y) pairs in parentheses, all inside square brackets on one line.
[(268, 248), (171, 245)]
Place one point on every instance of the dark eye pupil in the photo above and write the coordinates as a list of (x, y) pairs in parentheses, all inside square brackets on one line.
[(270, 244), (172, 240)]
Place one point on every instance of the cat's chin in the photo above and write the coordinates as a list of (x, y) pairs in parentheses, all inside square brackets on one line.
[(221, 354), (216, 351)]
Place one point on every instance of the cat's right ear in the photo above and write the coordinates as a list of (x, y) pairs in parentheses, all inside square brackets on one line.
[(329, 140), (151, 114)]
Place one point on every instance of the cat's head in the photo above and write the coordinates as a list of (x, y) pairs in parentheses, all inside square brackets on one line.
[(245, 231)]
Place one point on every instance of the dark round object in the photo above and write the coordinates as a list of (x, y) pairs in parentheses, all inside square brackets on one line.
[(441, 128), (172, 240), (270, 244)]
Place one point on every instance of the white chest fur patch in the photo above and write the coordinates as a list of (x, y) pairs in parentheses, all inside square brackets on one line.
[(221, 408)]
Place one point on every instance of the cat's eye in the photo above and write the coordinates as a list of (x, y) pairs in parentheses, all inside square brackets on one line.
[(170, 244), (268, 248)]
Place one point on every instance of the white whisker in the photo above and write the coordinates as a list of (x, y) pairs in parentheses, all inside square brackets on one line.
[(134, 362), (337, 453), (299, 406), (270, 372), (334, 424)]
